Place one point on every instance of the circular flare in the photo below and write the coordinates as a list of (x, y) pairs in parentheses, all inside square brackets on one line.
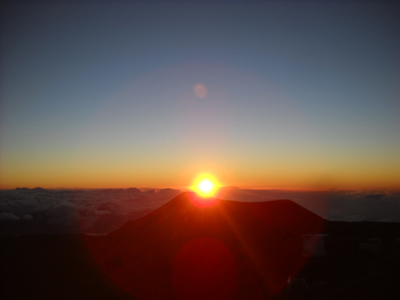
[(200, 90)]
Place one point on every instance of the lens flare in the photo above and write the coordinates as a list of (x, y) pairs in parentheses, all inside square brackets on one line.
[(200, 90)]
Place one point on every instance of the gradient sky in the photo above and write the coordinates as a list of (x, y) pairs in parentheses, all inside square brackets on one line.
[(269, 94)]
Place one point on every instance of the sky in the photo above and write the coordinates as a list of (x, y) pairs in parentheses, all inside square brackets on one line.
[(266, 94)]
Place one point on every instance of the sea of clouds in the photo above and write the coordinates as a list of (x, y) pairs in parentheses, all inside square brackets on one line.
[(335, 205), (42, 211)]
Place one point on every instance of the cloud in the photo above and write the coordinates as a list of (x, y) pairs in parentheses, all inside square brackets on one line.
[(375, 196), (8, 217), (331, 204), (62, 215), (87, 211), (102, 211)]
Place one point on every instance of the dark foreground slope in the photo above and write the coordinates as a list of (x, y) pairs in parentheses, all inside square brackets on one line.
[(231, 250), (52, 267)]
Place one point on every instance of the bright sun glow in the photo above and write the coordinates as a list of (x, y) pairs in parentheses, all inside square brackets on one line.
[(205, 186)]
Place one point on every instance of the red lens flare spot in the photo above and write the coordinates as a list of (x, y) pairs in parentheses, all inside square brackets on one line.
[(202, 201), (204, 268), (200, 90)]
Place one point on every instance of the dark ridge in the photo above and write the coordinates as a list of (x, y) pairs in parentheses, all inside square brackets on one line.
[(282, 213), (264, 240)]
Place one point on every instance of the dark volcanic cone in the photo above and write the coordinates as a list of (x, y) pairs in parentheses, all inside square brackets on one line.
[(228, 250)]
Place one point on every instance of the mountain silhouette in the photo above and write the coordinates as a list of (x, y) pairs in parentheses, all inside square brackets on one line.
[(227, 250)]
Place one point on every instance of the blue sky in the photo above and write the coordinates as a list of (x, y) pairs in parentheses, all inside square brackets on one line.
[(299, 94)]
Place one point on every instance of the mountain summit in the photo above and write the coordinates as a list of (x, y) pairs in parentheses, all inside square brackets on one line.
[(225, 250)]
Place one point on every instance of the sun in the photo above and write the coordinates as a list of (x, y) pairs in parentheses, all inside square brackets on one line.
[(205, 186)]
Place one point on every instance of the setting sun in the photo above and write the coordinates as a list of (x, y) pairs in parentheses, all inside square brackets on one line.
[(205, 186)]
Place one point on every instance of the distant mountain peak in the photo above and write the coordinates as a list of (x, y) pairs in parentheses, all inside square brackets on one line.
[(171, 253)]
